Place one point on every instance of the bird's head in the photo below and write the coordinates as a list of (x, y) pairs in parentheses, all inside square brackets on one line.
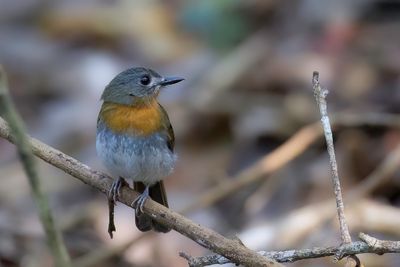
[(136, 85)]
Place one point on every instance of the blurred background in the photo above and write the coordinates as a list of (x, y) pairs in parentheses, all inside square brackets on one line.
[(248, 68)]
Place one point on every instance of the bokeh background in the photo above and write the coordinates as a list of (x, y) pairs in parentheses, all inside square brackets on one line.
[(248, 67)]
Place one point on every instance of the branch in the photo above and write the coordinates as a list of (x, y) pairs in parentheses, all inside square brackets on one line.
[(207, 238), (320, 96), (380, 246), (54, 238), (368, 244)]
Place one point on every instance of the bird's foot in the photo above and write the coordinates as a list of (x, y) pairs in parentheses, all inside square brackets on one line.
[(115, 190), (138, 203)]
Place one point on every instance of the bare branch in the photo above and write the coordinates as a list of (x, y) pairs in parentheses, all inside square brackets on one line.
[(380, 246), (54, 238), (320, 96), (203, 236), (367, 245)]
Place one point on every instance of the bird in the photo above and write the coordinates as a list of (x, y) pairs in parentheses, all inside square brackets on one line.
[(135, 141)]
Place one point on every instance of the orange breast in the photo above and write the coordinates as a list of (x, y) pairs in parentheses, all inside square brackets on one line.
[(139, 119)]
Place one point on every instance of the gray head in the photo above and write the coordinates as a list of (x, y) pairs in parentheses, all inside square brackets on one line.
[(136, 84)]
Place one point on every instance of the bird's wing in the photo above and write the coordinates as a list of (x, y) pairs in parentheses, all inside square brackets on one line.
[(169, 131)]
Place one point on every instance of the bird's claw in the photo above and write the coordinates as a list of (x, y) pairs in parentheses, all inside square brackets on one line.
[(138, 203), (115, 190)]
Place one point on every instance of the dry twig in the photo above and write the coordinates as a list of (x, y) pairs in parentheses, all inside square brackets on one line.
[(368, 244), (53, 236), (320, 94)]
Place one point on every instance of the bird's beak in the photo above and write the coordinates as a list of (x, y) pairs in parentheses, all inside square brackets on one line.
[(170, 80)]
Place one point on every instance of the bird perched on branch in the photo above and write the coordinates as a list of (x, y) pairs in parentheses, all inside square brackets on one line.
[(135, 140)]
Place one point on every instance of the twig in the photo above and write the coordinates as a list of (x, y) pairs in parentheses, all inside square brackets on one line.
[(320, 96), (368, 244), (54, 237), (203, 236), (380, 246)]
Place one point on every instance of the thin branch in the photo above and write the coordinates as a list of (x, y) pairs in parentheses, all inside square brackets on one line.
[(368, 244), (205, 237), (320, 96), (380, 246), (54, 237)]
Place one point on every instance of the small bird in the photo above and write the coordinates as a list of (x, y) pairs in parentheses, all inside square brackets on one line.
[(135, 140)]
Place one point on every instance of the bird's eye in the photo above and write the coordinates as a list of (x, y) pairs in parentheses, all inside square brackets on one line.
[(145, 79)]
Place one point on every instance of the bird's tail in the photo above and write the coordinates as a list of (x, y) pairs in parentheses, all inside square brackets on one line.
[(157, 193)]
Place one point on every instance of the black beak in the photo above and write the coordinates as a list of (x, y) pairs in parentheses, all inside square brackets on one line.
[(170, 80)]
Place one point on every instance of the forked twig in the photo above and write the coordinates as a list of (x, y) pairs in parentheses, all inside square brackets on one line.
[(368, 244)]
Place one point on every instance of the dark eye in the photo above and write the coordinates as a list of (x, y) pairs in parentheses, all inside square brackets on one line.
[(145, 79)]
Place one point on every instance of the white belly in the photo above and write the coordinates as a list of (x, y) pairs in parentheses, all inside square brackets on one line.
[(144, 159)]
